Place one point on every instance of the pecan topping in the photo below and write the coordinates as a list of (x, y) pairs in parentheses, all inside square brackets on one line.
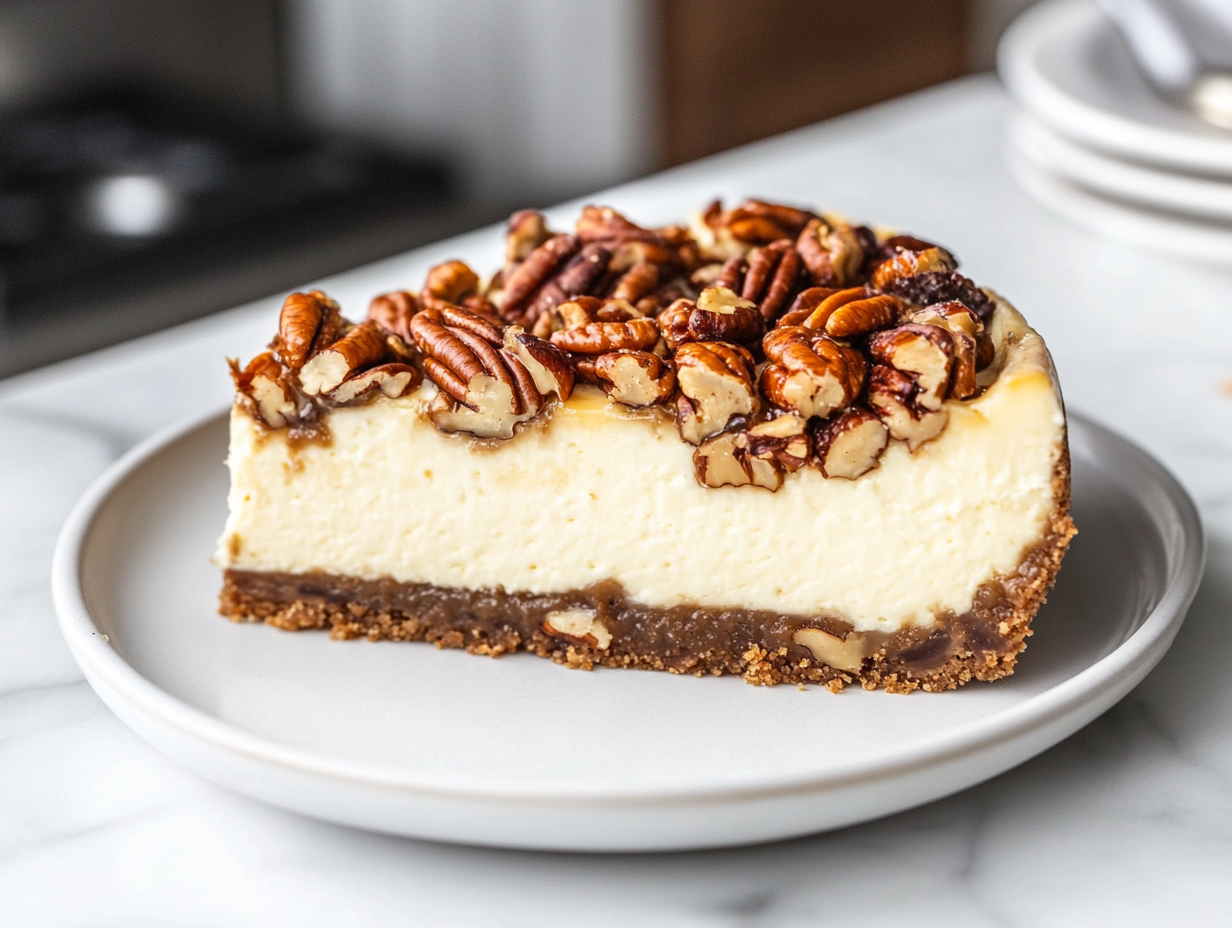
[(716, 385), (833, 255), (264, 386), (924, 351), (635, 378), (308, 323), (604, 224), (892, 394), (810, 373), (393, 312), (392, 380), (773, 272), (718, 315), (525, 232), (805, 304), (724, 461), (362, 347), (760, 223), (973, 349), (638, 281), (784, 440), (850, 443)]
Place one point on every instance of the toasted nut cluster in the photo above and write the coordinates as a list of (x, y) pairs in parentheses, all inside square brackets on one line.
[(777, 337)]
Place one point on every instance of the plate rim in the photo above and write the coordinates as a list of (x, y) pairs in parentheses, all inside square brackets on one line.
[(1084, 122), (101, 663)]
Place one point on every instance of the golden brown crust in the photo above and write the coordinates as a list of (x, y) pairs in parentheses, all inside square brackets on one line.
[(982, 644)]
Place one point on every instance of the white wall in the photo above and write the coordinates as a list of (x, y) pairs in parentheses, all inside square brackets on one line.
[(538, 98)]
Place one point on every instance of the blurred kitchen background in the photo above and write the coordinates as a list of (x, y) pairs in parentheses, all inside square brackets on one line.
[(163, 159)]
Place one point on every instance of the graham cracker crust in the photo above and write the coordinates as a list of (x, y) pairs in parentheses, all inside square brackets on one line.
[(982, 644)]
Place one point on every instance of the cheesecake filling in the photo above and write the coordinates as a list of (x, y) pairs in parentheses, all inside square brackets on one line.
[(595, 493)]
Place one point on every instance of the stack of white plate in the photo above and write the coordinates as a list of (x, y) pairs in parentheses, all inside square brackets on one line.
[(1093, 141)]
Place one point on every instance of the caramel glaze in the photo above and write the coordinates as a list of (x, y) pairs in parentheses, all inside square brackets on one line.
[(982, 643)]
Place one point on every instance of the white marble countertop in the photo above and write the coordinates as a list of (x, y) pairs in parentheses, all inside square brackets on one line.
[(1127, 822)]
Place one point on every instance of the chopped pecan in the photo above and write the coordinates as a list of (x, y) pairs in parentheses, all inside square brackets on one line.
[(392, 380), (892, 394), (724, 460), (579, 625), (717, 315), (924, 351), (850, 443), (263, 384), (362, 347), (809, 373), (526, 231), (716, 385), (308, 323), (576, 278), (840, 653), (941, 286), (833, 254), (550, 367), (393, 311), (635, 378), (862, 316), (784, 440), (518, 284)]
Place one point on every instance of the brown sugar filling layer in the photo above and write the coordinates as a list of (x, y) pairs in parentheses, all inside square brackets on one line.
[(982, 643)]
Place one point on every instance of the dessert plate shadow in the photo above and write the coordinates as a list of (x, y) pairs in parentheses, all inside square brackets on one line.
[(519, 752)]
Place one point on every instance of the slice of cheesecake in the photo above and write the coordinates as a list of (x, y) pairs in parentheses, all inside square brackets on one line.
[(773, 446)]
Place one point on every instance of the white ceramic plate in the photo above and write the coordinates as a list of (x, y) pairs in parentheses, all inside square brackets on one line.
[(1203, 197), (1063, 61), (520, 752), (1160, 232)]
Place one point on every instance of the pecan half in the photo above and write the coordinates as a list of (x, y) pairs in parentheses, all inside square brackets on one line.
[(263, 384), (809, 373), (717, 315), (862, 316), (892, 395), (604, 224), (638, 281), (725, 461), (585, 334), (307, 323), (361, 348), (784, 440), (759, 222), (550, 367), (485, 390), (635, 378), (391, 380), (525, 231), (850, 444), (833, 254), (716, 385), (393, 311), (519, 284), (805, 305), (973, 349), (924, 351), (772, 277)]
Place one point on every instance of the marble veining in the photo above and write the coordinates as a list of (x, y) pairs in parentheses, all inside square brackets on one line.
[(1128, 822)]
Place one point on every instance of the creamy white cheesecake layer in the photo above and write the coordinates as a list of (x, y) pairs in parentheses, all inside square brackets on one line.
[(596, 494)]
